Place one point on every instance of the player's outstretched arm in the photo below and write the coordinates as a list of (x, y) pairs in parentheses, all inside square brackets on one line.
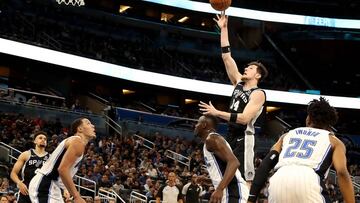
[(230, 65), (75, 149), (339, 162), (257, 100), (217, 145), (16, 169)]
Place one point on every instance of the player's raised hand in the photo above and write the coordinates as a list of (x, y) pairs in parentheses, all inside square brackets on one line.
[(221, 20), (208, 109)]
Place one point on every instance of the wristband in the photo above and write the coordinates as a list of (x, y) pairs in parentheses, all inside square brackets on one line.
[(225, 50), (233, 117)]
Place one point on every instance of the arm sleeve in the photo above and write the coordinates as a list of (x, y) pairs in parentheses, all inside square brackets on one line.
[(262, 174)]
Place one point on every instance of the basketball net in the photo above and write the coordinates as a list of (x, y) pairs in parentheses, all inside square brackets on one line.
[(71, 2)]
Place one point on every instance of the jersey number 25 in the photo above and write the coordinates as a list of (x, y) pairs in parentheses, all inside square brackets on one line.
[(300, 148)]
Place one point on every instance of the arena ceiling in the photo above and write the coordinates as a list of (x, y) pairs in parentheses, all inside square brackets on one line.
[(325, 57)]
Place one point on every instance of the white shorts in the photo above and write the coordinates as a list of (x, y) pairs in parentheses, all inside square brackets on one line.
[(44, 190), (295, 184)]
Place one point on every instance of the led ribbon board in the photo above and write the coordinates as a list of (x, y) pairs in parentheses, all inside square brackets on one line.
[(263, 15), (94, 66)]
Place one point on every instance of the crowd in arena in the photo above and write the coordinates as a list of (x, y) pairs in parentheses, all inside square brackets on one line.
[(122, 162)]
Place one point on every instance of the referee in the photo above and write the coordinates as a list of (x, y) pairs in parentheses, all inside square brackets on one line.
[(169, 193)]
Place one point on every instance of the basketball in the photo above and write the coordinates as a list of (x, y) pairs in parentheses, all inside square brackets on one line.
[(220, 5)]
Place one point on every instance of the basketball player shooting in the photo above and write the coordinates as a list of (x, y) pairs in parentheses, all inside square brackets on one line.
[(302, 159), (246, 104)]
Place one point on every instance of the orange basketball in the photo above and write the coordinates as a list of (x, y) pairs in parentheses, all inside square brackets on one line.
[(220, 5)]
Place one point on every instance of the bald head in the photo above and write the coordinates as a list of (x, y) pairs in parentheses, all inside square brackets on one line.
[(204, 124), (171, 178), (209, 120)]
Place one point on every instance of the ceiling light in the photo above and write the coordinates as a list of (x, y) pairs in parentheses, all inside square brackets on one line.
[(125, 91), (166, 17), (183, 19), (123, 8), (190, 101), (272, 108)]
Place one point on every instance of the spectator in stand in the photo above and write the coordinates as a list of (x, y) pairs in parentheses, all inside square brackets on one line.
[(152, 171), (151, 194), (208, 193), (192, 190), (128, 183), (104, 182), (33, 100), (195, 162), (117, 187), (76, 106), (4, 188), (112, 173), (64, 105), (4, 199), (11, 196), (148, 185), (11, 96), (2, 94), (143, 177)]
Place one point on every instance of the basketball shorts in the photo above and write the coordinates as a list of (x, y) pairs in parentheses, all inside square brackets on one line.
[(296, 184), (44, 190)]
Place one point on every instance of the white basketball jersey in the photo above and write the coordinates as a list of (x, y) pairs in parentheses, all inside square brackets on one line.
[(309, 147), (50, 167), (216, 168)]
